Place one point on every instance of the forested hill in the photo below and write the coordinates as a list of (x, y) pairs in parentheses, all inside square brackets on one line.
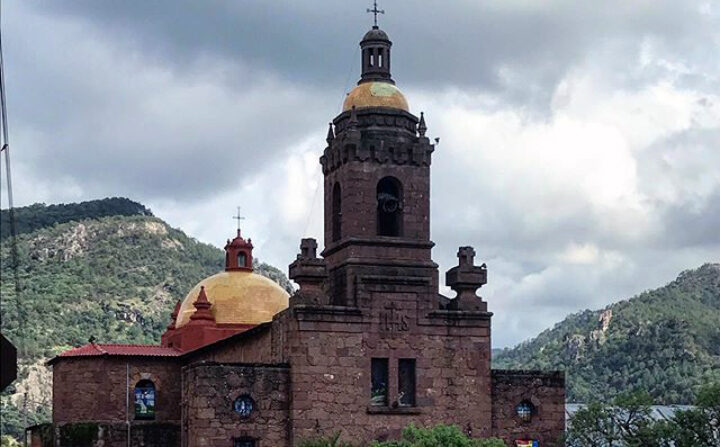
[(116, 277), (39, 215), (666, 341), (86, 271)]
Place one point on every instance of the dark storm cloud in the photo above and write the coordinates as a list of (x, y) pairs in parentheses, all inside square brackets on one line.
[(487, 46), (579, 139)]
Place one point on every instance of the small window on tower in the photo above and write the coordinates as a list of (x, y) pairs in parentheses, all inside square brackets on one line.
[(241, 260), (389, 207), (379, 379), (406, 382), (380, 58)]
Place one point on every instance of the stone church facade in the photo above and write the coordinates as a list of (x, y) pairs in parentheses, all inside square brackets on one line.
[(364, 347)]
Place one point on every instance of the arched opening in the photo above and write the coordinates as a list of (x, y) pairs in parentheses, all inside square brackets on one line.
[(389, 207), (145, 400), (241, 259), (336, 212)]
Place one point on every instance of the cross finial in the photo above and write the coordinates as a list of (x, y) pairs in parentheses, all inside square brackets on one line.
[(375, 12), (238, 218)]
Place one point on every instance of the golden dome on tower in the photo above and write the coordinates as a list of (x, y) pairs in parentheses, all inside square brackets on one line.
[(376, 94), (237, 297)]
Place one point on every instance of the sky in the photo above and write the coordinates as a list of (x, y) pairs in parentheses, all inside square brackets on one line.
[(579, 141)]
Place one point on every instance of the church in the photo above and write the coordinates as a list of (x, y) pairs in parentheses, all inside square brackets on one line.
[(365, 346)]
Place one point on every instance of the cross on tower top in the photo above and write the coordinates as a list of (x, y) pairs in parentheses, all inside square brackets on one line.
[(238, 218), (375, 12)]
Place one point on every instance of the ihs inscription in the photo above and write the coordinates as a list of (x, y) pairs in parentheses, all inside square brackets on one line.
[(393, 319)]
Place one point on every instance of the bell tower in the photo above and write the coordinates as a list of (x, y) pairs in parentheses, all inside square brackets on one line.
[(376, 170)]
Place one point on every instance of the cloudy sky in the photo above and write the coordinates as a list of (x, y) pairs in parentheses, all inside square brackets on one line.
[(580, 141)]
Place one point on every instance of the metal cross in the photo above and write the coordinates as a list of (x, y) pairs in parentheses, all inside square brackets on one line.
[(238, 218), (376, 11)]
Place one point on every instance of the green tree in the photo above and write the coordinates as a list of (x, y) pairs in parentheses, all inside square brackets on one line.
[(699, 425)]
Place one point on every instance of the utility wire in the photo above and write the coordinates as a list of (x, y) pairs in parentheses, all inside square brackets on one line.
[(15, 257)]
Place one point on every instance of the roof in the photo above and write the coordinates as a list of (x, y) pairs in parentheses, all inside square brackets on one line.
[(95, 350)]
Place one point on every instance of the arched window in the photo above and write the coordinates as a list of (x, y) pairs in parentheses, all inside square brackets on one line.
[(241, 259), (145, 400), (336, 212), (389, 207)]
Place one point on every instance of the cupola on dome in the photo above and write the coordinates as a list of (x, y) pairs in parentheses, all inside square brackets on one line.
[(376, 87), (237, 296)]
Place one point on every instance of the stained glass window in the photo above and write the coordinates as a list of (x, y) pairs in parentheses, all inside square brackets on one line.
[(244, 406), (145, 400)]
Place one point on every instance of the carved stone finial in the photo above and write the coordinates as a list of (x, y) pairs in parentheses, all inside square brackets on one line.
[(310, 273), (465, 279), (466, 256), (202, 314), (330, 135), (173, 316), (308, 249), (422, 127)]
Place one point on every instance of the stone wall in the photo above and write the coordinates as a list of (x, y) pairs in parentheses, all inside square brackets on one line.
[(210, 390), (96, 388), (544, 390), (330, 350)]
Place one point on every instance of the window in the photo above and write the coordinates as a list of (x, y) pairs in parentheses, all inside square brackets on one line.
[(145, 400), (241, 260), (244, 442), (379, 379), (336, 212), (389, 207), (244, 406), (525, 411), (406, 382)]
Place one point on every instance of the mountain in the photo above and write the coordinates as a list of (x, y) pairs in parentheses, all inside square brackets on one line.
[(39, 215), (666, 341), (106, 268)]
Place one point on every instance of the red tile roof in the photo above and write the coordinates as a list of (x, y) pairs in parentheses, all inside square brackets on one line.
[(94, 349)]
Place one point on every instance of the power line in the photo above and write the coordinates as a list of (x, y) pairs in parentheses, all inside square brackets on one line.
[(15, 258)]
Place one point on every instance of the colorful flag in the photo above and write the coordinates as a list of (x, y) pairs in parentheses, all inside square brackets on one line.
[(526, 443)]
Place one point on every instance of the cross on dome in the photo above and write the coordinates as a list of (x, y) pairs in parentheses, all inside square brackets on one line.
[(238, 217), (375, 12)]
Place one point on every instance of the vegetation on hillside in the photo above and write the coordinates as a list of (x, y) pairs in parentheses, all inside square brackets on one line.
[(665, 341), (85, 273), (39, 215)]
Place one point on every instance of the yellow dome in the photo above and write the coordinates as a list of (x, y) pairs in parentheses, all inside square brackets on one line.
[(376, 94), (237, 297)]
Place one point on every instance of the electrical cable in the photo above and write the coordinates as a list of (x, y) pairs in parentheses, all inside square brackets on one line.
[(15, 257)]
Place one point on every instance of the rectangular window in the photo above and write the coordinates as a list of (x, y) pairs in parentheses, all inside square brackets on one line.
[(379, 379), (406, 382)]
